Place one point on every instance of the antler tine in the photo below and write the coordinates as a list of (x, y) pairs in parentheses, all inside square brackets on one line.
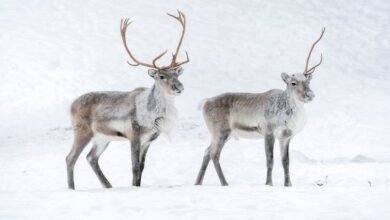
[(123, 29), (311, 70), (157, 58), (176, 17), (132, 64), (182, 19), (186, 61)]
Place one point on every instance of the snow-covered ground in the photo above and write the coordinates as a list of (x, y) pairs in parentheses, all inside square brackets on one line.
[(53, 51)]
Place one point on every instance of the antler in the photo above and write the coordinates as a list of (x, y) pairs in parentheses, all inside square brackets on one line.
[(123, 28), (182, 19), (312, 69)]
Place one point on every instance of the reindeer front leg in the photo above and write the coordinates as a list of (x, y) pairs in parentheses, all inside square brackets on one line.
[(142, 157), (284, 142), (269, 141), (284, 148), (135, 150), (143, 151), (135, 140)]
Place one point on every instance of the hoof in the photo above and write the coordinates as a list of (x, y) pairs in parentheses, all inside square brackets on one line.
[(108, 186)]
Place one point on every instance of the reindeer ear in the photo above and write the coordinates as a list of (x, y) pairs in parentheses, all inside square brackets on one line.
[(285, 77), (309, 77), (179, 70), (152, 72)]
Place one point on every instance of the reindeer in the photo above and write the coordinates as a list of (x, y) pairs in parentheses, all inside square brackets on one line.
[(275, 114), (138, 116)]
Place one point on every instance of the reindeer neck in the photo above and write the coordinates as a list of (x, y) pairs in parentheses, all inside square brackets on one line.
[(160, 109), (291, 100), (158, 101), (159, 93)]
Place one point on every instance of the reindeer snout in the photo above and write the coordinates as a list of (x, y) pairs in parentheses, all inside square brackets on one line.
[(178, 87), (309, 95)]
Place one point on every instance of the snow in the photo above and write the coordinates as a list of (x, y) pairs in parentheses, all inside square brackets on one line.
[(53, 51)]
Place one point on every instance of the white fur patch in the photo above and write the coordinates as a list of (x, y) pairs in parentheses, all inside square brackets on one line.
[(100, 138), (164, 109), (119, 125)]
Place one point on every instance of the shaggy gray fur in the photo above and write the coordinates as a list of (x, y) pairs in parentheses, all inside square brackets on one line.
[(276, 114), (138, 116)]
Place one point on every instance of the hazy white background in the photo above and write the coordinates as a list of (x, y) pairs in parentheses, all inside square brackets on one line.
[(53, 51)]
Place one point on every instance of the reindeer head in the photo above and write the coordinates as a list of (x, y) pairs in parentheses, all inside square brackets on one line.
[(166, 77), (298, 84), (168, 80)]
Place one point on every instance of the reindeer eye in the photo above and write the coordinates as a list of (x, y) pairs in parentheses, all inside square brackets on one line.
[(162, 77), (293, 83)]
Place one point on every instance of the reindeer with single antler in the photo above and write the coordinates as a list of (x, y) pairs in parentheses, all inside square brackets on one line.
[(138, 116), (271, 115)]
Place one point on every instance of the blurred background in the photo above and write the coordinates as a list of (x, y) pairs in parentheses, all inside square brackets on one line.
[(53, 51)]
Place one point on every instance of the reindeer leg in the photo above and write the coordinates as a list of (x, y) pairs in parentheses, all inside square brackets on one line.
[(135, 150), (205, 163), (93, 159), (81, 139), (144, 151), (269, 151), (284, 149), (215, 155)]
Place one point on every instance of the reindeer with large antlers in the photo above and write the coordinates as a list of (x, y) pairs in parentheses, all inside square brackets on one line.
[(138, 116), (271, 115)]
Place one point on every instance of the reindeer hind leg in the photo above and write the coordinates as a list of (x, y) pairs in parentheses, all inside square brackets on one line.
[(216, 153), (93, 159), (82, 136), (205, 163)]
